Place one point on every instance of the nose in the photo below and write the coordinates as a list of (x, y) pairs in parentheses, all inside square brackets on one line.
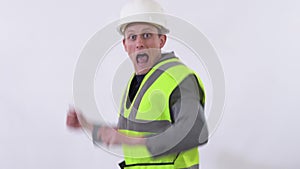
[(140, 42)]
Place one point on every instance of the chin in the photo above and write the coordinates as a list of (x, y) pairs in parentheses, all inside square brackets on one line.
[(142, 71)]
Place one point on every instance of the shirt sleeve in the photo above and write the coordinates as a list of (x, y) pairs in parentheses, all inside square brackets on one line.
[(189, 128)]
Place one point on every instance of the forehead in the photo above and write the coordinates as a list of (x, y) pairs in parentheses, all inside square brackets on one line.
[(140, 28)]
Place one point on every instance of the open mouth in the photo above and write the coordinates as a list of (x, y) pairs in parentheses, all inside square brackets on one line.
[(142, 58)]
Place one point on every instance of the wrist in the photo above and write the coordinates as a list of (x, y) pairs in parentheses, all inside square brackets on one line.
[(95, 131)]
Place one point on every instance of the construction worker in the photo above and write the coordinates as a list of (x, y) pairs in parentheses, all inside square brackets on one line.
[(161, 118)]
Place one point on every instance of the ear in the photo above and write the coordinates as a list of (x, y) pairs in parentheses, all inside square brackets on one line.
[(124, 44), (163, 39)]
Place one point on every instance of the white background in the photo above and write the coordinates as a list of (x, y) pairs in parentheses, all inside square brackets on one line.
[(258, 45)]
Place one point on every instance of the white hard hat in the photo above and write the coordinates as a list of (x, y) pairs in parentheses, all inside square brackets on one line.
[(145, 11)]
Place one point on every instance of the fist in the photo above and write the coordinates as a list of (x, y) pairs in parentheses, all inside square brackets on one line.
[(72, 119)]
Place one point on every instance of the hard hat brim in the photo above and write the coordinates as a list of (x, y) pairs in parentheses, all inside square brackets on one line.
[(155, 19), (161, 30)]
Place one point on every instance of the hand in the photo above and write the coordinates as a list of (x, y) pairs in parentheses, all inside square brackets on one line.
[(76, 120), (110, 136), (72, 119)]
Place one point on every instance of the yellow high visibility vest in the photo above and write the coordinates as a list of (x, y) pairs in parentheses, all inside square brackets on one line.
[(149, 114)]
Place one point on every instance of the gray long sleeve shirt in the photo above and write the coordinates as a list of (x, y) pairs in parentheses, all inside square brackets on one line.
[(189, 127)]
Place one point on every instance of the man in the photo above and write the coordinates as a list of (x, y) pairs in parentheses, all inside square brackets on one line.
[(161, 119)]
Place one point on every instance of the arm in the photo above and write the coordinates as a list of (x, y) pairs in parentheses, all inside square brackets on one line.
[(104, 134), (189, 126)]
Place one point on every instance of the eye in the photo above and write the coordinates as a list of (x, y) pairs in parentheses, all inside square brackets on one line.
[(132, 37), (147, 35)]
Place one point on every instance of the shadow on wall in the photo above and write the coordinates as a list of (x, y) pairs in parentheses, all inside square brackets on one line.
[(231, 161)]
